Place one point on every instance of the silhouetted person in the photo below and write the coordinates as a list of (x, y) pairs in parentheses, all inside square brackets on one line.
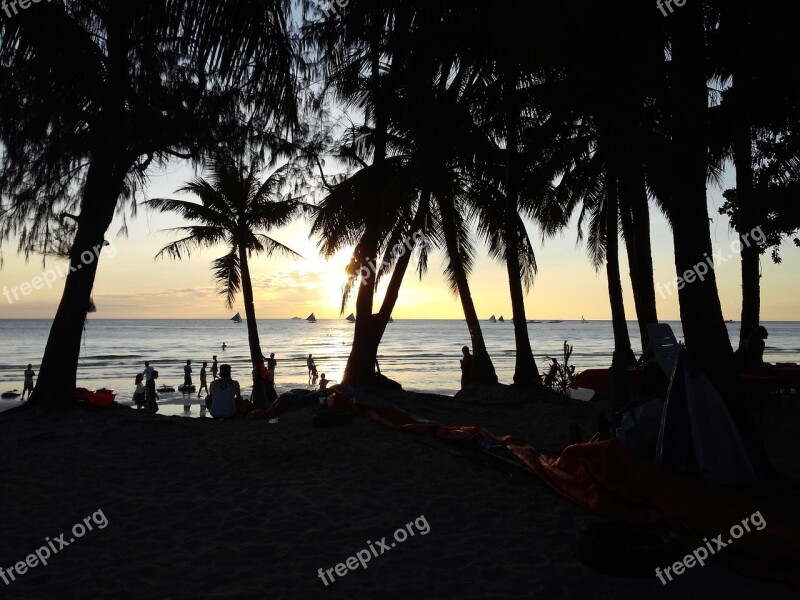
[(466, 366), (140, 393), (150, 395), (148, 371), (28, 383), (203, 381), (225, 398), (753, 349), (214, 368), (312, 368), (272, 363), (187, 375)]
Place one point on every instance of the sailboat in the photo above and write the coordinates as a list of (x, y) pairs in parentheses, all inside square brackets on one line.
[(311, 318), (492, 319), (351, 318), (501, 319), (583, 321), (237, 318), (391, 320)]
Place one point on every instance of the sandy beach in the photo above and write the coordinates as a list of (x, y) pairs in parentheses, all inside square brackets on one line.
[(197, 508)]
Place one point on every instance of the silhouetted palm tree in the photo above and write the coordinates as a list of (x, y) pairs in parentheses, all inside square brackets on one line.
[(92, 94), (235, 211)]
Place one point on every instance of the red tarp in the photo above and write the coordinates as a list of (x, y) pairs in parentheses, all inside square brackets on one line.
[(604, 478)]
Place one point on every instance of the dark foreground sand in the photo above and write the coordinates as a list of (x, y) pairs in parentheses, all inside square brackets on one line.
[(198, 508)]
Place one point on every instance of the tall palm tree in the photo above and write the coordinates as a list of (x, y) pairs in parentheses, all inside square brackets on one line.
[(93, 93), (237, 211)]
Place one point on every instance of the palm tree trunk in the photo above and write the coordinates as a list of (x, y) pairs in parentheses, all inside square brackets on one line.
[(635, 214), (525, 371), (482, 367), (619, 391), (259, 398), (360, 367), (743, 157), (55, 387), (701, 313)]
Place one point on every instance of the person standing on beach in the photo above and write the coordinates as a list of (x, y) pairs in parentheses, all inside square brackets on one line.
[(272, 363), (140, 394), (466, 366), (203, 383), (150, 395), (148, 371), (187, 374), (28, 382), (214, 368), (312, 368)]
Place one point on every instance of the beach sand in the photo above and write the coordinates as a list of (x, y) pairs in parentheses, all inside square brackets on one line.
[(197, 508)]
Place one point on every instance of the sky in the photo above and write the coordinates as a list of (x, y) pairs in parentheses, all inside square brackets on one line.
[(131, 284)]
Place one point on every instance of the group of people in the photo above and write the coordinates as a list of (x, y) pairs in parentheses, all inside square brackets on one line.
[(223, 396)]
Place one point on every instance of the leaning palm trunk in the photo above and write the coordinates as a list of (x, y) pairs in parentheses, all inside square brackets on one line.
[(259, 397), (55, 387), (525, 371), (623, 356), (482, 367), (636, 226)]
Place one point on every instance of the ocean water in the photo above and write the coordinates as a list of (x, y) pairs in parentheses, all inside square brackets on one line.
[(422, 355)]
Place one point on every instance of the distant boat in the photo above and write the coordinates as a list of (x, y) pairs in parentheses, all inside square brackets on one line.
[(237, 318), (311, 318), (492, 319), (501, 319), (351, 318), (584, 321), (391, 320), (555, 321), (534, 321)]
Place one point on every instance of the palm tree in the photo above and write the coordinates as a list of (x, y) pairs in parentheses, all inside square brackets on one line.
[(92, 94), (236, 211)]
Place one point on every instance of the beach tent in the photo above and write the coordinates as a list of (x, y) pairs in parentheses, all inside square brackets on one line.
[(697, 432)]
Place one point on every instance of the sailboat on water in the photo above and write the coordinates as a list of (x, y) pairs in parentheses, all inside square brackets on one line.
[(311, 318), (237, 318), (492, 319), (351, 318), (391, 320), (583, 321), (501, 319)]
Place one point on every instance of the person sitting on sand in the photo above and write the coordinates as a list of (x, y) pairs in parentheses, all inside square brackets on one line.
[(752, 355), (150, 395), (203, 382), (214, 368), (225, 397), (323, 383), (140, 392), (466, 366), (28, 382)]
